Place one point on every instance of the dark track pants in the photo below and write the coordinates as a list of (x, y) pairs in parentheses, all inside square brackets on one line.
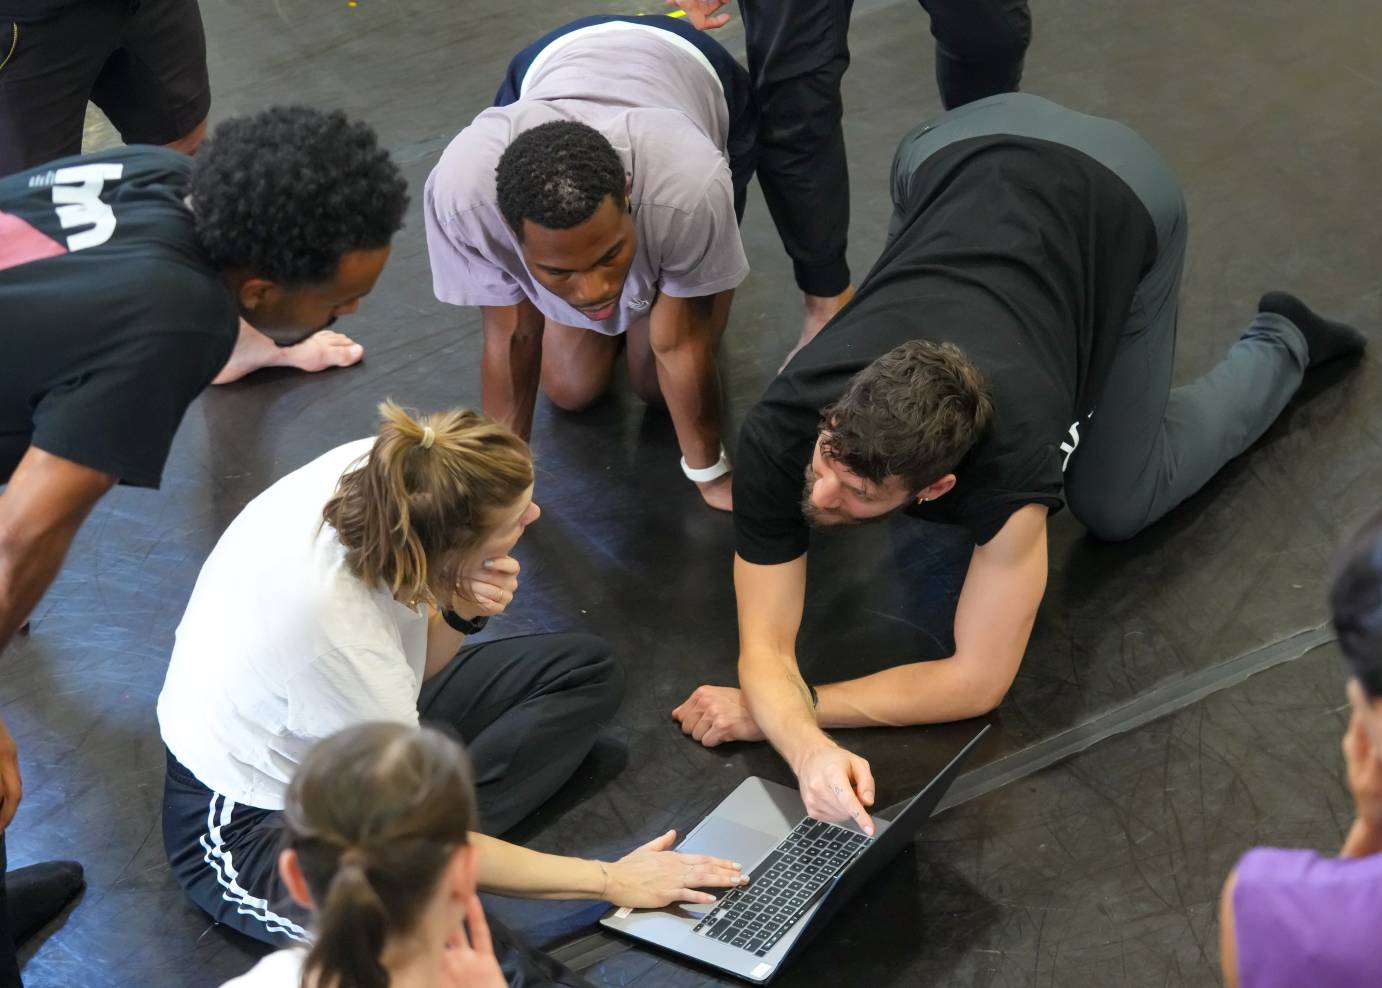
[(528, 709), (798, 53), (1148, 446)]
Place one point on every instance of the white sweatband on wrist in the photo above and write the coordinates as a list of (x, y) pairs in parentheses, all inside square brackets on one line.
[(703, 475)]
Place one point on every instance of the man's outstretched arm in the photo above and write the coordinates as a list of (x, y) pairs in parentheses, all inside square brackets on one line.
[(835, 784), (998, 605), (41, 508)]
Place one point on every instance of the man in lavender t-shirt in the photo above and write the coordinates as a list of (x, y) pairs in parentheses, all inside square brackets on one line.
[(596, 214), (1296, 918)]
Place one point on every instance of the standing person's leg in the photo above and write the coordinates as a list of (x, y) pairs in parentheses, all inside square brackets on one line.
[(798, 54), (528, 710), (47, 70), (155, 88), (980, 47)]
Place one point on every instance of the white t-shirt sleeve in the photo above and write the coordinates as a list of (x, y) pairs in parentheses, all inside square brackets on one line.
[(702, 252), (345, 687)]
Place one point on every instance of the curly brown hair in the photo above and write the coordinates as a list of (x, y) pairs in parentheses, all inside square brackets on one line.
[(913, 413)]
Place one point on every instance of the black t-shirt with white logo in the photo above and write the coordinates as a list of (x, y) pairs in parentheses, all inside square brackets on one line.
[(111, 317), (1023, 253)]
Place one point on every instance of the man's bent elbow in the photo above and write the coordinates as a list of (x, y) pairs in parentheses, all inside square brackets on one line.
[(980, 695)]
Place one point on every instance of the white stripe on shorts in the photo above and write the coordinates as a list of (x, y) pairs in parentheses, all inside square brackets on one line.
[(217, 855)]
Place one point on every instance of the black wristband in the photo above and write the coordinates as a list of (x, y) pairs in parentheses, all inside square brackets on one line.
[(815, 700), (460, 624)]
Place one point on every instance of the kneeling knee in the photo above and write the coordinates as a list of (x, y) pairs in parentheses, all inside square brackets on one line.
[(1107, 514), (572, 397), (1110, 524), (602, 672)]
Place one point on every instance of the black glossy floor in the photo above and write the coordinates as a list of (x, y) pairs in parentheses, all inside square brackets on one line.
[(1091, 840)]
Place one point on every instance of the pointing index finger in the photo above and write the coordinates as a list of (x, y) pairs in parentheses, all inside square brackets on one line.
[(850, 806)]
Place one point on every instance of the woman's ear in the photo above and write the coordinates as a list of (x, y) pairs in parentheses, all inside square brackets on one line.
[(461, 872), (290, 870)]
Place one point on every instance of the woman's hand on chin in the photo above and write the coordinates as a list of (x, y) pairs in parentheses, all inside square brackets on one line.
[(487, 588)]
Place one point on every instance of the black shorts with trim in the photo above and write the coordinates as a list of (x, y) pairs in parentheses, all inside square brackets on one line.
[(143, 62)]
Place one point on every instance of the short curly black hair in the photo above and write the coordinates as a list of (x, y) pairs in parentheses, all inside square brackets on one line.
[(556, 175), (285, 192)]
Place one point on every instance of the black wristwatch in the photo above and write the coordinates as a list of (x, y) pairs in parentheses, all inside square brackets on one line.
[(460, 624)]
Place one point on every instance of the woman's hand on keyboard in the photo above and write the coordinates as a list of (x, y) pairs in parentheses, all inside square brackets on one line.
[(653, 876)]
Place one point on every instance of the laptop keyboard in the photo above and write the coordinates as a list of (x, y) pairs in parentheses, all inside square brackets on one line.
[(784, 885)]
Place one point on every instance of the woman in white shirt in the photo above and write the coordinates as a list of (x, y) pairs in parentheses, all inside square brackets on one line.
[(343, 594), (376, 847)]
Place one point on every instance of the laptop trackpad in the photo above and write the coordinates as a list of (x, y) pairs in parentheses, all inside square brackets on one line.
[(727, 839), (723, 839)]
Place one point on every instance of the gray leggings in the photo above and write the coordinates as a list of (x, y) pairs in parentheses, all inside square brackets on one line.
[(1147, 446)]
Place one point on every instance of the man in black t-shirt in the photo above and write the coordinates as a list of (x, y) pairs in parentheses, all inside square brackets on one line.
[(123, 279), (1010, 352)]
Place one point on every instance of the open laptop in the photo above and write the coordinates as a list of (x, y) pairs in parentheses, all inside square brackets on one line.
[(802, 871)]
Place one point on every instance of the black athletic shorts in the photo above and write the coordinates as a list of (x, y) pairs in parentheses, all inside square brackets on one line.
[(143, 62)]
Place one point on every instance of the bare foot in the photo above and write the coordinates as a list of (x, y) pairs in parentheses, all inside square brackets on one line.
[(819, 311), (319, 351), (717, 492)]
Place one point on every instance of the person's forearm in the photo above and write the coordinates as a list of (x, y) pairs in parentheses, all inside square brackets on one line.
[(27, 567), (916, 693), (512, 870), (689, 377), (780, 702), (1363, 839), (511, 364)]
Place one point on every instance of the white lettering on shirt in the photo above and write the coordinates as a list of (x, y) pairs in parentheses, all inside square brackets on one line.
[(1069, 446), (77, 194)]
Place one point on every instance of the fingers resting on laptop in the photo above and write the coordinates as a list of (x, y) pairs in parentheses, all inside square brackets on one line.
[(652, 876)]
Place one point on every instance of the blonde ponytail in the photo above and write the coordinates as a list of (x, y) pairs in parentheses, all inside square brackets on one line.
[(426, 498)]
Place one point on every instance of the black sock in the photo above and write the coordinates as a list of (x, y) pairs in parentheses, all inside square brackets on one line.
[(38, 893), (1325, 338)]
